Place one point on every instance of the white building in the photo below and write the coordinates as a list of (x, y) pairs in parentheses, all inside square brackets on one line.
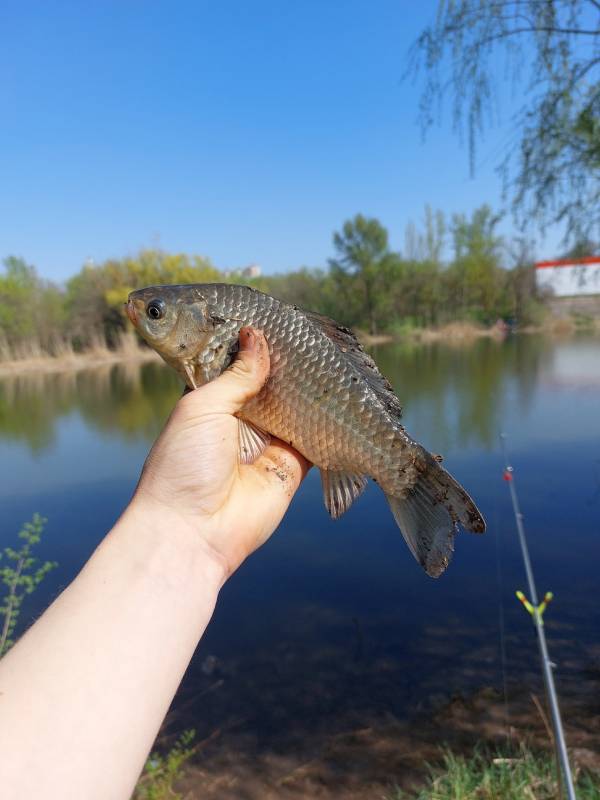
[(576, 277), (252, 271)]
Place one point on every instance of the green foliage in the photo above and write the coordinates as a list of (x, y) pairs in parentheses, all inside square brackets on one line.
[(476, 282), (21, 577), (363, 264), (429, 244), (31, 310), (307, 288), (95, 296), (162, 771), (582, 248), (551, 160), (487, 776), (39, 318), (367, 286)]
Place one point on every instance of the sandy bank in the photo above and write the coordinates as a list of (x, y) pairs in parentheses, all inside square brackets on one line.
[(76, 361), (456, 332), (461, 332)]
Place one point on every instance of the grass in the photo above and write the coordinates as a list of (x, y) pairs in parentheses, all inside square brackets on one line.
[(489, 776), (163, 771)]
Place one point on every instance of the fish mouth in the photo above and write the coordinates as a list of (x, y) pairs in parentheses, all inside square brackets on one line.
[(131, 312)]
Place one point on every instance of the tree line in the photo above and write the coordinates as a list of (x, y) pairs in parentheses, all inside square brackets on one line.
[(366, 284)]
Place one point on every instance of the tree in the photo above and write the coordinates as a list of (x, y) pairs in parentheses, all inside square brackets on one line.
[(311, 289), (429, 244), (95, 296), (18, 287), (363, 259), (31, 309), (552, 52), (418, 288), (476, 278), (581, 248)]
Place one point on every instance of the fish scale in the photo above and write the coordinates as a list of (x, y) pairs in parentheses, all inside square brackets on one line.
[(284, 408), (324, 396)]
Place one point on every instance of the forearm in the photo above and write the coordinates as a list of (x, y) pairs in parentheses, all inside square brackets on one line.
[(83, 693)]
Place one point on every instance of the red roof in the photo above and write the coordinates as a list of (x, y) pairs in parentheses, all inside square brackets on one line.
[(568, 262)]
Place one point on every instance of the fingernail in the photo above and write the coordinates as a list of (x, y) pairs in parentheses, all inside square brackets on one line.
[(247, 339)]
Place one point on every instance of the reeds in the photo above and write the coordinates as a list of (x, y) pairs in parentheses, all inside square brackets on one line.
[(59, 352)]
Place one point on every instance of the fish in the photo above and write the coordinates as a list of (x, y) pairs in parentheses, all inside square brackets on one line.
[(324, 396)]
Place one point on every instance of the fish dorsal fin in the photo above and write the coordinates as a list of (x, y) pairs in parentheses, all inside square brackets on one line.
[(353, 350), (340, 489), (252, 442)]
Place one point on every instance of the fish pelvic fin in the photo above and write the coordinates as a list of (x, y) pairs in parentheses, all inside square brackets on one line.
[(429, 513), (252, 441), (340, 490)]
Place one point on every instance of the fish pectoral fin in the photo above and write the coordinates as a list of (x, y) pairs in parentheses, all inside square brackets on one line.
[(189, 371), (340, 489), (252, 441)]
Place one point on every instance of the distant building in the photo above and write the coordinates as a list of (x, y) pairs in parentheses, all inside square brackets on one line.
[(575, 277), (251, 271)]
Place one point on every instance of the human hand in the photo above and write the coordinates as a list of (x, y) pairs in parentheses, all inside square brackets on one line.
[(193, 475)]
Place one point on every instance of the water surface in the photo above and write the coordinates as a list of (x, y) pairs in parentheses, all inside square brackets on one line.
[(334, 623)]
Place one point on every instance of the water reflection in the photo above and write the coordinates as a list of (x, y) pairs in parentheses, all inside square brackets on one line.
[(462, 390), (132, 400), (129, 399)]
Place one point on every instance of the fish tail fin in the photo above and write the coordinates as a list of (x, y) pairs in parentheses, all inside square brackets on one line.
[(428, 515)]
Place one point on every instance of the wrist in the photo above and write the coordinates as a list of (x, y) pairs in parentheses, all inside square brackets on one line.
[(171, 544)]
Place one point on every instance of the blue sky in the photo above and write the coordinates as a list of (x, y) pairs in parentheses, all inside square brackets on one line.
[(245, 131)]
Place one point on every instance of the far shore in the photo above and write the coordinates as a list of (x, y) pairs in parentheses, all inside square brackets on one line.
[(77, 361), (454, 333), (467, 332)]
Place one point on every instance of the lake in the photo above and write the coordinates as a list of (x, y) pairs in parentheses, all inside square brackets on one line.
[(333, 624)]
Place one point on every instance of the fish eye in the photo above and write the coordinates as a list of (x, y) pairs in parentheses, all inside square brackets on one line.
[(155, 309)]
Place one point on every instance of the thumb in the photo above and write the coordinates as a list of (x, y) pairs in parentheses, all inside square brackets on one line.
[(244, 379)]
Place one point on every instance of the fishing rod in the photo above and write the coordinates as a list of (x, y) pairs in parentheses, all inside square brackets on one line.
[(536, 609)]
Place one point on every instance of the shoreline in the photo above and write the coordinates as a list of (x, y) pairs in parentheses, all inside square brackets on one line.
[(453, 333), (456, 333), (390, 750), (76, 361), (468, 332)]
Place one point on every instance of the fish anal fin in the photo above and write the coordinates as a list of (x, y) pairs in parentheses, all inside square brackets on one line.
[(252, 441), (340, 489)]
